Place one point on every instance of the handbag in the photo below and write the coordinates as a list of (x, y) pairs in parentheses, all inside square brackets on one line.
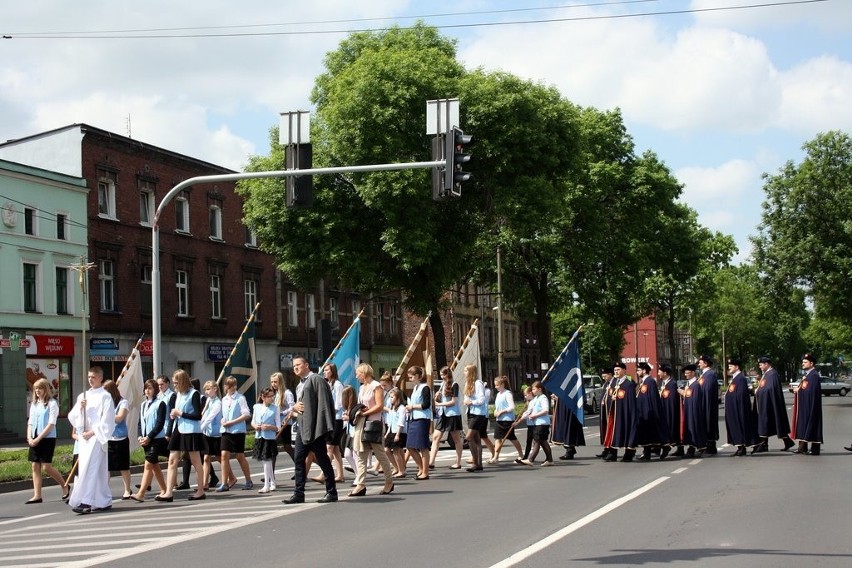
[(372, 432)]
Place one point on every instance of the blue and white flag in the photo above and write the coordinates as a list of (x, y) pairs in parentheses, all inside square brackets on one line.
[(242, 362), (565, 379), (347, 355)]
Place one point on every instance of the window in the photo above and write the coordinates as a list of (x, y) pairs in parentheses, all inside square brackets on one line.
[(333, 312), (145, 288), (292, 314), (31, 287), (215, 296), (216, 222), (251, 237), (356, 308), (182, 213), (310, 313), (250, 294), (392, 319), (107, 278), (106, 193), (62, 290), (146, 205), (62, 226), (380, 318), (182, 283), (29, 221)]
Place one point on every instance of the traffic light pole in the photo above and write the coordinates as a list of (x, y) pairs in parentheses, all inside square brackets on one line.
[(156, 320)]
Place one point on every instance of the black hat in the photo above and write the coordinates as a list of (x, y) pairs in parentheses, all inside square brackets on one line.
[(645, 366), (764, 359), (666, 368), (809, 357), (707, 359), (605, 371), (735, 362), (619, 365), (690, 367)]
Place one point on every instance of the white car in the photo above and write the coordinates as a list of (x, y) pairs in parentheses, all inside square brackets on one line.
[(829, 386)]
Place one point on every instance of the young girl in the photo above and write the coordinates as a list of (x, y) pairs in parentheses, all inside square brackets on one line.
[(448, 401), (41, 438), (539, 413), (477, 415), (528, 396), (152, 437), (118, 447), (504, 414), (266, 421), (211, 428), (420, 417), (395, 440)]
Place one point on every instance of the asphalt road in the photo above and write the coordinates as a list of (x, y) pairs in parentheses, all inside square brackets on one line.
[(772, 509)]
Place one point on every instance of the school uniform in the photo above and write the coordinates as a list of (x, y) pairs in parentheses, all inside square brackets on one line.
[(420, 418), (265, 442), (152, 422)]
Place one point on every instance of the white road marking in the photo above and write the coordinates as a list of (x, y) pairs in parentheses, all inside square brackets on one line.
[(576, 525)]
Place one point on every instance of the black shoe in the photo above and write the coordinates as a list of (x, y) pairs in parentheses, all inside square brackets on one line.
[(628, 456), (199, 498), (665, 452), (101, 509), (82, 509), (567, 456), (814, 450), (293, 499), (802, 449), (788, 443), (690, 453), (328, 498), (645, 457), (358, 493), (847, 448), (182, 487), (139, 487), (162, 499), (678, 452), (741, 451), (611, 457), (214, 481), (760, 448)]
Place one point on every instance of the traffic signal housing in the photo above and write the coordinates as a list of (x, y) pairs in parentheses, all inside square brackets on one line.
[(300, 189), (454, 174)]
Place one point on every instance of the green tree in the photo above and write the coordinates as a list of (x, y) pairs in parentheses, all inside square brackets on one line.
[(805, 233)]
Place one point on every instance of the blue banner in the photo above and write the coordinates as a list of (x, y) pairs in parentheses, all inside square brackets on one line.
[(565, 379), (347, 355)]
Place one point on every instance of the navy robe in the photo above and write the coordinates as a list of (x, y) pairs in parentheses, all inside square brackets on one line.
[(807, 410), (694, 417), (567, 429), (740, 420), (607, 406), (770, 406), (649, 426), (670, 411), (710, 385), (621, 423)]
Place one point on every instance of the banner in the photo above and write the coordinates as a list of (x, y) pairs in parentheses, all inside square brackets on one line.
[(347, 355), (242, 362), (565, 379)]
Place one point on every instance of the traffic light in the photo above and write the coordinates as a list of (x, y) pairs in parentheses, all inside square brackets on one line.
[(454, 175), (300, 189)]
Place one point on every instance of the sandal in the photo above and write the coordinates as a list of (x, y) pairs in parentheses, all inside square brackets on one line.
[(457, 466)]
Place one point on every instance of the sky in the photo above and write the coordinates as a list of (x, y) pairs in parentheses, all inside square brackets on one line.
[(721, 94)]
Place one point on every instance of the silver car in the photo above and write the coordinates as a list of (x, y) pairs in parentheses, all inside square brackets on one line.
[(829, 386), (593, 385)]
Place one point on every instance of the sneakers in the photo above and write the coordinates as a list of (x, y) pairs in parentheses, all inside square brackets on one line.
[(264, 489)]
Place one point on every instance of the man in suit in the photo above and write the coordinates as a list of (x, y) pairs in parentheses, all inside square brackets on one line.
[(709, 383), (315, 411), (807, 409), (771, 410)]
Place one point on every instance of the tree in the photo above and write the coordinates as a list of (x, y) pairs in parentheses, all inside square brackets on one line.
[(806, 228)]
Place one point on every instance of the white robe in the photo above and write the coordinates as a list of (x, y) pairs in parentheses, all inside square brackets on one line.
[(92, 485)]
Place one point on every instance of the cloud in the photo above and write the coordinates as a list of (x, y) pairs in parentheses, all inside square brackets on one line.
[(816, 95), (725, 183)]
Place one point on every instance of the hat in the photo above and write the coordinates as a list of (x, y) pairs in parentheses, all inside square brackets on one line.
[(666, 368), (809, 357), (605, 371), (619, 365), (735, 362), (764, 359), (707, 359), (690, 367), (644, 366)]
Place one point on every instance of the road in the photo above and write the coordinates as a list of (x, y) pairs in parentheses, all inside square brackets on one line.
[(773, 509)]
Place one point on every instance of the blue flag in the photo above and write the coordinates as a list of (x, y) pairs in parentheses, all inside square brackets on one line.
[(347, 355), (242, 363), (565, 379)]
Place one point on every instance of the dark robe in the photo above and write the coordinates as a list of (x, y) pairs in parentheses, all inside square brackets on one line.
[(567, 429), (649, 424), (694, 416), (740, 420), (770, 406), (710, 385), (670, 411), (621, 423), (807, 409), (607, 405), (318, 417)]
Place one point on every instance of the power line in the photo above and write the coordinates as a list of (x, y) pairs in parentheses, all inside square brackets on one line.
[(156, 35)]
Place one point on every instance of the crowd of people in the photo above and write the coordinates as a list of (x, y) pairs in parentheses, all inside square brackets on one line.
[(380, 429)]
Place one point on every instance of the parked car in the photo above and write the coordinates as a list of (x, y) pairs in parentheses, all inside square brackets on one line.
[(829, 386), (593, 385)]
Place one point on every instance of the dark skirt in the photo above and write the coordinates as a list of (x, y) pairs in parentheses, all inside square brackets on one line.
[(418, 434), (286, 436), (186, 442), (214, 446), (393, 444), (43, 451), (333, 437), (118, 455), (479, 423), (234, 443), (450, 423), (541, 433), (502, 430), (265, 450), (158, 448)]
